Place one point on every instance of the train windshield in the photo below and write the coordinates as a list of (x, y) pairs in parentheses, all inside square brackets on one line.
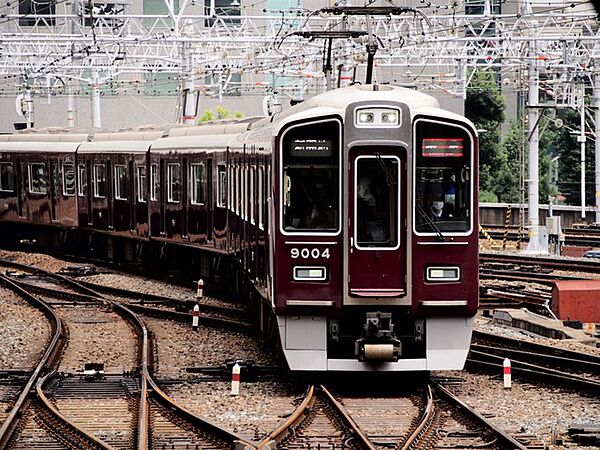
[(310, 178), (443, 188)]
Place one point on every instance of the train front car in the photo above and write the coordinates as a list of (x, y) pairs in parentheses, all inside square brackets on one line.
[(374, 241)]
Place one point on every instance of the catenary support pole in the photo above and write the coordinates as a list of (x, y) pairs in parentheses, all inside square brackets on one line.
[(534, 143), (95, 95), (70, 104), (581, 140), (597, 148), (29, 112)]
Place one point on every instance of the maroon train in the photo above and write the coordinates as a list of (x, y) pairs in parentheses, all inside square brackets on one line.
[(353, 215)]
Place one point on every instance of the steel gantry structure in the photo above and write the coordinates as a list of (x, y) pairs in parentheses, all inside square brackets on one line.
[(554, 48)]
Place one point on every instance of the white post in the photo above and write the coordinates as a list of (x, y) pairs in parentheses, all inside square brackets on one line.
[(507, 373), (95, 93), (70, 104), (597, 149), (29, 113), (581, 140), (200, 288), (189, 97), (235, 380), (534, 143), (195, 317)]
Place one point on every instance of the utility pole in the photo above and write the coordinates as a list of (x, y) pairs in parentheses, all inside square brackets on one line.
[(95, 97), (70, 103), (581, 140), (189, 97), (597, 148), (29, 112)]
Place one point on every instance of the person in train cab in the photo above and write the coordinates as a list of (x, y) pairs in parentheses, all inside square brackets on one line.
[(449, 189), (372, 229)]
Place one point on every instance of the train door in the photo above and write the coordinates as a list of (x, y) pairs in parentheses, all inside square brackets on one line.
[(131, 195), (53, 193), (185, 213), (21, 188), (163, 193), (376, 259), (110, 194), (209, 200)]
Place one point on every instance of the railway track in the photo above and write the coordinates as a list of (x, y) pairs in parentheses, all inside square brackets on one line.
[(535, 361), (172, 424), (426, 421), (586, 237), (555, 263)]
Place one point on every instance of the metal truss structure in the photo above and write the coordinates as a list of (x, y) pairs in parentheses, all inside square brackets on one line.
[(434, 51)]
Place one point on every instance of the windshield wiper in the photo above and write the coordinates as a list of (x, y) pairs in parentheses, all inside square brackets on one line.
[(388, 176), (430, 222)]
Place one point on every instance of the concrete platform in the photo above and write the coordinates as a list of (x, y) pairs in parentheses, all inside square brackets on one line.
[(524, 319)]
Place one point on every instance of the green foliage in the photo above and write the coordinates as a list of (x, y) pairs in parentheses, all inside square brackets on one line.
[(487, 196), (220, 113), (485, 107)]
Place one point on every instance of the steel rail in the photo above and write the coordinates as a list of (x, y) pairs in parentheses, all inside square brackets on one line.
[(424, 423), (501, 435), (536, 347), (48, 360), (570, 264), (85, 439), (150, 387), (495, 363), (287, 427)]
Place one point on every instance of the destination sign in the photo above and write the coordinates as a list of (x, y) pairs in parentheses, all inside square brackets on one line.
[(443, 147), (311, 147)]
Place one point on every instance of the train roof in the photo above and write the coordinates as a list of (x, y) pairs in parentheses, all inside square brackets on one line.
[(337, 101)]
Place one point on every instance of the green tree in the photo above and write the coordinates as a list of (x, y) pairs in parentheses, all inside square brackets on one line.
[(220, 113), (485, 107)]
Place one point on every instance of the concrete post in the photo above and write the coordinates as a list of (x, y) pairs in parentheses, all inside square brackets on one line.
[(597, 149), (581, 140), (29, 112), (70, 104), (95, 96)]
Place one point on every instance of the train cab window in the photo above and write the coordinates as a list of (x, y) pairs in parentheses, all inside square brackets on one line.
[(120, 182), (82, 185), (99, 180), (38, 182), (310, 178), (443, 179), (377, 200), (68, 180), (221, 186), (237, 190), (230, 188), (173, 183), (7, 177), (197, 182), (154, 182), (261, 202), (141, 184)]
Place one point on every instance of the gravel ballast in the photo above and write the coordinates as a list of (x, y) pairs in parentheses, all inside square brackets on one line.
[(24, 333)]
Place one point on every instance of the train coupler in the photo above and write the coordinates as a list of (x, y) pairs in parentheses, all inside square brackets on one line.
[(378, 343)]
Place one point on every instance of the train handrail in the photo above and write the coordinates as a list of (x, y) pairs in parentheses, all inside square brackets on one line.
[(48, 358)]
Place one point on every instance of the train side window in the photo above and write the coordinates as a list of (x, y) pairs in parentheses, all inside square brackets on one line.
[(82, 185), (251, 188), (120, 182), (173, 182), (245, 192), (38, 182), (7, 177), (154, 182), (99, 180), (141, 184), (230, 188), (221, 186), (68, 180), (197, 180), (261, 202)]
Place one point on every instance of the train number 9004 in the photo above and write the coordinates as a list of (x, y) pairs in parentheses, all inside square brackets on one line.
[(306, 253)]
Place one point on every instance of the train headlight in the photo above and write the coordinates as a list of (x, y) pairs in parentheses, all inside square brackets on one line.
[(366, 117), (310, 273), (377, 118), (442, 273)]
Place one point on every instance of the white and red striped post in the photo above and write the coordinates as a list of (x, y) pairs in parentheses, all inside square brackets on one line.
[(507, 375), (200, 288), (195, 317), (235, 380)]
